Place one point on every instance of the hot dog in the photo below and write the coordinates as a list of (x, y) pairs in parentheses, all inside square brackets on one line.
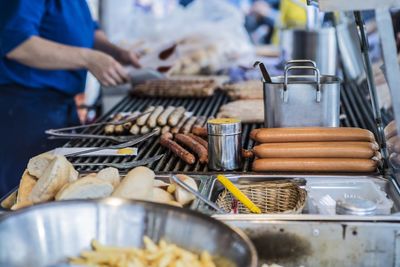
[(179, 126), (200, 131), (314, 165), (176, 116), (187, 127), (361, 150), (193, 145), (186, 156), (152, 121), (143, 119), (199, 139), (163, 118), (311, 134)]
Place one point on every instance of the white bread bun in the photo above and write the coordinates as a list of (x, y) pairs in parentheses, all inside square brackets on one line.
[(181, 195), (137, 184), (159, 183), (161, 196), (24, 191), (55, 176), (110, 175), (38, 164), (88, 187)]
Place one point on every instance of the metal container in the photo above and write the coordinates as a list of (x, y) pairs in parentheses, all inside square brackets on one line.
[(318, 45), (355, 206), (224, 144), (48, 234), (302, 100)]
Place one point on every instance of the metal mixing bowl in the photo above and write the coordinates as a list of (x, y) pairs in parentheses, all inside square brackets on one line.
[(47, 234)]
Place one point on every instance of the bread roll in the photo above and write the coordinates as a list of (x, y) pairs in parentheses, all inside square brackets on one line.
[(55, 176), (161, 196), (38, 164), (24, 191), (110, 175), (85, 188), (182, 196), (138, 184)]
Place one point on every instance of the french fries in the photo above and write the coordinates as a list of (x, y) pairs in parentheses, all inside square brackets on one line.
[(152, 255)]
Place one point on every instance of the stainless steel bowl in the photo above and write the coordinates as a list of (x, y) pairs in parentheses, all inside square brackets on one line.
[(45, 235)]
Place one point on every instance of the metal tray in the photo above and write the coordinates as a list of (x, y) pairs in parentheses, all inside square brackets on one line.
[(389, 186), (203, 183)]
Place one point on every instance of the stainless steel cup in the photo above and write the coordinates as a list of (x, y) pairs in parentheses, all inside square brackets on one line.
[(224, 144)]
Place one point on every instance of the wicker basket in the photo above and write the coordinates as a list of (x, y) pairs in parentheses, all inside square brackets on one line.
[(270, 197)]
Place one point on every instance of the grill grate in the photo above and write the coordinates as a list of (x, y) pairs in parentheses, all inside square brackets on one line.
[(355, 108)]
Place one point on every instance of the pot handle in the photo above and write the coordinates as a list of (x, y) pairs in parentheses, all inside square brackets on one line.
[(300, 61), (284, 94)]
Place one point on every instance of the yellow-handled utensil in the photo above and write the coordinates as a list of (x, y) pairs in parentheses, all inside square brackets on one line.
[(238, 194)]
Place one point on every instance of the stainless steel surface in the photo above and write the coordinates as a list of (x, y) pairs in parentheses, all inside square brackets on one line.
[(49, 233), (224, 145), (329, 244), (354, 206), (318, 45), (124, 165), (387, 185), (264, 72), (350, 53), (130, 143), (197, 194), (302, 100)]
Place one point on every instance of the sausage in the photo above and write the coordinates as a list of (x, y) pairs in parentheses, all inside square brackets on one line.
[(176, 116), (187, 127), (145, 129), (163, 118), (178, 127), (193, 145), (165, 129), (390, 130), (109, 128), (314, 165), (361, 150), (247, 154), (201, 121), (143, 119), (152, 120), (200, 131), (128, 125), (186, 156), (199, 140), (311, 134), (120, 129), (393, 144), (135, 129)]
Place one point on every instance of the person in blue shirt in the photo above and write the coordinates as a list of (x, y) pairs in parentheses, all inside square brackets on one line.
[(46, 49)]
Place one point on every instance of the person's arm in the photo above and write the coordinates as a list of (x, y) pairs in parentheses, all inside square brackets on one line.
[(123, 56), (40, 53)]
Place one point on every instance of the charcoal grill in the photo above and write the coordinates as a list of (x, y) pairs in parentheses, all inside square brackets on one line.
[(355, 109)]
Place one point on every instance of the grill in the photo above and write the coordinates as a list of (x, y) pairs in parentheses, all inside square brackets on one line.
[(355, 109)]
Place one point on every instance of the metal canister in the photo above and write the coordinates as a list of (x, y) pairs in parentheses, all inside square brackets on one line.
[(355, 206), (224, 144)]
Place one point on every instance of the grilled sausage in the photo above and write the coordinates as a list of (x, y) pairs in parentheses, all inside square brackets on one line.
[(311, 134), (176, 116), (179, 126), (247, 154), (200, 131), (143, 119), (187, 127), (201, 121), (199, 140), (128, 125), (145, 129), (186, 156), (361, 150), (165, 129), (135, 129), (314, 165), (163, 118), (109, 128), (152, 121), (193, 145)]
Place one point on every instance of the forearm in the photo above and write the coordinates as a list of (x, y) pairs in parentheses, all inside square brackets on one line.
[(40, 53), (102, 44)]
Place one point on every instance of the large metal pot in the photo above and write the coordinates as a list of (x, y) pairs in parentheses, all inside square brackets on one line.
[(47, 234), (317, 45)]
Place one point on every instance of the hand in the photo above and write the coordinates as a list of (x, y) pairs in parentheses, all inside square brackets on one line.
[(126, 57), (106, 69)]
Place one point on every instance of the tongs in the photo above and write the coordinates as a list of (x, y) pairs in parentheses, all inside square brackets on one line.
[(62, 132), (124, 165), (119, 146)]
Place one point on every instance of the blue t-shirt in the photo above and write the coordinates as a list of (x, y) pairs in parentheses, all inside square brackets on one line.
[(67, 22)]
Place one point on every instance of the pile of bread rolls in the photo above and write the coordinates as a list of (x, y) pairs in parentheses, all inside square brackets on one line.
[(52, 177), (315, 149)]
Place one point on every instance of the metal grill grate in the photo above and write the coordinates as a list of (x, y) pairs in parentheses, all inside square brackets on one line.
[(355, 108)]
